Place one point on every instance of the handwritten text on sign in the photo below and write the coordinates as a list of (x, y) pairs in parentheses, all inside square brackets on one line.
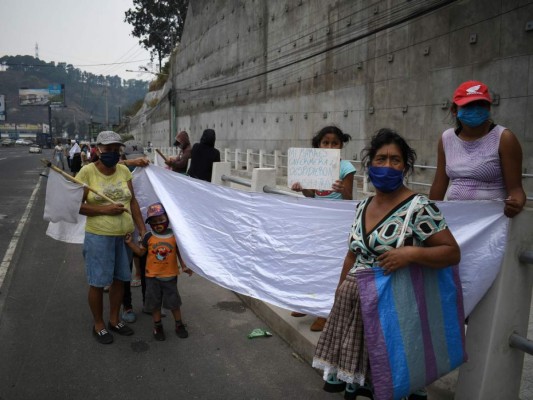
[(313, 168)]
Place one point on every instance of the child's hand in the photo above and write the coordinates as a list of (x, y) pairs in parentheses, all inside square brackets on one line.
[(187, 271), (337, 186), (127, 238)]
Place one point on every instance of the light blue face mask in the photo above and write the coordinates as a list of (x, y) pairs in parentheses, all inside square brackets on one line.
[(473, 116)]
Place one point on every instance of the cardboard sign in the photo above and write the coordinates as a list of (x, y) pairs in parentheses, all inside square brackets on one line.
[(313, 168)]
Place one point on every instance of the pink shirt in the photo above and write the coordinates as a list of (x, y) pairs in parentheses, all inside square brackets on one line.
[(474, 167)]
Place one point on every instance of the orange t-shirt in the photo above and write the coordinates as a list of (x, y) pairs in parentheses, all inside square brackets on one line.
[(161, 255)]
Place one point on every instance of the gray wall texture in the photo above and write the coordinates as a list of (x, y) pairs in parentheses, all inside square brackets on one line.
[(270, 74)]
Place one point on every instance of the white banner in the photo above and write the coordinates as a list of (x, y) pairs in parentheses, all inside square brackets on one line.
[(313, 168)]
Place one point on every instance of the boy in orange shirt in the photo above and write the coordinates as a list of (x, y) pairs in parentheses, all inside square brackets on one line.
[(162, 270)]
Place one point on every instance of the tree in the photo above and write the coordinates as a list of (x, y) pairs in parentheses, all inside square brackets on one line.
[(157, 24)]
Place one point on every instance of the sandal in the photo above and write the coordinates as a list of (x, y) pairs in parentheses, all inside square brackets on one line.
[(297, 314), (135, 283), (121, 328), (318, 325)]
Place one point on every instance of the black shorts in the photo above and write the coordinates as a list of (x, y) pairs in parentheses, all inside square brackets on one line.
[(161, 293)]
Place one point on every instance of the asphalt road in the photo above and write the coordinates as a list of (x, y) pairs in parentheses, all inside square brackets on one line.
[(47, 350)]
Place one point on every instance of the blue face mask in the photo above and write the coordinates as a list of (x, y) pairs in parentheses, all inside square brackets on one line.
[(473, 116), (385, 179), (110, 159)]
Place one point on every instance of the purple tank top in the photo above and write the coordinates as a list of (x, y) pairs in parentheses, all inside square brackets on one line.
[(474, 167)]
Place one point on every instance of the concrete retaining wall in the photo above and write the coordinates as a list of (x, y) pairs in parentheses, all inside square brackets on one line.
[(269, 74)]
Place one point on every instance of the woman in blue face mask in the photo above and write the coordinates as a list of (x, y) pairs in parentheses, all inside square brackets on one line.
[(479, 160), (107, 258), (376, 240)]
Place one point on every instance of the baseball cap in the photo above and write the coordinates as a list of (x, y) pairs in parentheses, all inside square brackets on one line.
[(470, 91), (133, 149), (108, 137), (154, 210)]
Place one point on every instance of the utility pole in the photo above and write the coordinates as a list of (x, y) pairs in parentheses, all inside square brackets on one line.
[(106, 111), (50, 122)]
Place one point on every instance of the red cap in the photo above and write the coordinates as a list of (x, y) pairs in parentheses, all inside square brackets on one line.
[(470, 91)]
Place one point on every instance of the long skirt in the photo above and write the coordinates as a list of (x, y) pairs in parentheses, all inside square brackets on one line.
[(341, 348)]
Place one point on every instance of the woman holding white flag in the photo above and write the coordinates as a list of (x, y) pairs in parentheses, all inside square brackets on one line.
[(107, 258)]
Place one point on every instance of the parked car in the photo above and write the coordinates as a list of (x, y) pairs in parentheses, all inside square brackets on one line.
[(35, 148), (8, 142), (21, 142)]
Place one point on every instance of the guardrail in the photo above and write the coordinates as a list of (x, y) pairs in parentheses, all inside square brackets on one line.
[(251, 159)]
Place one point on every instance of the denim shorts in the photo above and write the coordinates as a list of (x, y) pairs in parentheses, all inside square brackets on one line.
[(161, 293), (106, 258)]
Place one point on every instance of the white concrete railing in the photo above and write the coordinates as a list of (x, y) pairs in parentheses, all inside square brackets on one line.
[(247, 161), (251, 159), (497, 330)]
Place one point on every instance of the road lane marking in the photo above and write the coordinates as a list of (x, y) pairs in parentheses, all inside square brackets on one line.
[(8, 256)]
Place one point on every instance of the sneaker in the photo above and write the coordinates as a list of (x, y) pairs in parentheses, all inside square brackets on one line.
[(103, 336), (181, 331), (128, 316), (159, 333), (121, 328)]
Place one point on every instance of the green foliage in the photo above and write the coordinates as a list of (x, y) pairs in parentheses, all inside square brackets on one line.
[(157, 24), (133, 108)]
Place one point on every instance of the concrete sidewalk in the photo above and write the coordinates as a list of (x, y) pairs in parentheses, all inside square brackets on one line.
[(47, 351), (295, 331)]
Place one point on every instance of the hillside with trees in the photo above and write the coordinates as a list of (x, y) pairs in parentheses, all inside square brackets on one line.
[(88, 97)]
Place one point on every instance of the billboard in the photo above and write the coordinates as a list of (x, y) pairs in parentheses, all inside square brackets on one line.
[(2, 107), (53, 96)]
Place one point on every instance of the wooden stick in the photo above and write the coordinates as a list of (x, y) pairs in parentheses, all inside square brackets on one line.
[(73, 179), (165, 159)]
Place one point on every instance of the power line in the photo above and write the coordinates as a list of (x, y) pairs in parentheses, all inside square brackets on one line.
[(74, 65)]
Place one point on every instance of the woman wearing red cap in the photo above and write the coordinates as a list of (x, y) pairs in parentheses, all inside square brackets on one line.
[(479, 159)]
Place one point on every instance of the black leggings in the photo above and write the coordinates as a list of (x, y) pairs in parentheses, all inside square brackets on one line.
[(126, 300)]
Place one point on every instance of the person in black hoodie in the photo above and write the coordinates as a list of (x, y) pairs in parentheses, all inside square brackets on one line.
[(203, 156)]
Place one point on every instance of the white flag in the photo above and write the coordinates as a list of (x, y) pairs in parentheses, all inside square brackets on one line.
[(63, 199), (62, 206)]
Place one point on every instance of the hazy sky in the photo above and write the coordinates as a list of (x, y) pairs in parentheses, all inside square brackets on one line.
[(85, 33)]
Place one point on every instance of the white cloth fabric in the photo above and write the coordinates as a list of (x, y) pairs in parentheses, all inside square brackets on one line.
[(74, 149), (159, 161), (289, 251), (63, 199), (62, 206)]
